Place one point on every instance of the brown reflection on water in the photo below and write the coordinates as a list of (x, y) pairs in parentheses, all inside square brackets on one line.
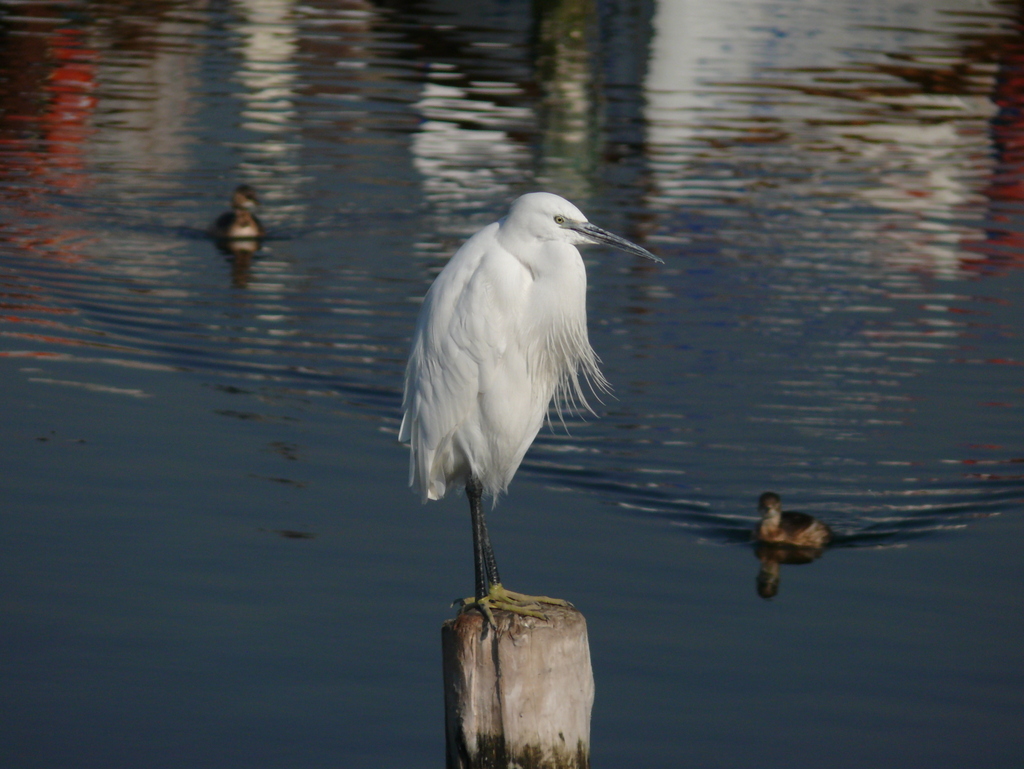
[(240, 254), (772, 557)]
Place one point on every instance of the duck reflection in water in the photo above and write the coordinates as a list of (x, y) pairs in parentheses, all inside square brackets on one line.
[(241, 253), (785, 537), (772, 557)]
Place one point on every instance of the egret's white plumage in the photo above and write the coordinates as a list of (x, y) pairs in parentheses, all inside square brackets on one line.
[(502, 331)]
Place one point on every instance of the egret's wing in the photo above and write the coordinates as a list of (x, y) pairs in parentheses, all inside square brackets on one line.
[(456, 338)]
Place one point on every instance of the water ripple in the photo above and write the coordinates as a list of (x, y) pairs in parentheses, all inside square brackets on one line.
[(837, 318)]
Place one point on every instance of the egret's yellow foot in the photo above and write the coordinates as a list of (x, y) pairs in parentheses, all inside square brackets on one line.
[(506, 600)]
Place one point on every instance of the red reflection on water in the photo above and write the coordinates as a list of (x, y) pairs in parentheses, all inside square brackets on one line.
[(1004, 242), (31, 354), (48, 108), (47, 85), (65, 124)]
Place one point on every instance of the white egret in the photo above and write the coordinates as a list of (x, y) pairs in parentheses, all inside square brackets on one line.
[(502, 332), (240, 222)]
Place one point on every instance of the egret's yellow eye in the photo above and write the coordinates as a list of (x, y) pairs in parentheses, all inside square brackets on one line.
[(559, 219)]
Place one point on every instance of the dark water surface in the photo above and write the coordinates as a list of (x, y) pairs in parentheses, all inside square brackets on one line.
[(208, 555)]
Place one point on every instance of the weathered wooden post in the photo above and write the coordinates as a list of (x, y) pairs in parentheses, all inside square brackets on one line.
[(518, 694)]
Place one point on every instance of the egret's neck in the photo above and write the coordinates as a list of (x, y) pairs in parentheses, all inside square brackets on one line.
[(541, 256)]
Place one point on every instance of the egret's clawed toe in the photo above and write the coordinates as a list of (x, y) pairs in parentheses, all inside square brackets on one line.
[(498, 598)]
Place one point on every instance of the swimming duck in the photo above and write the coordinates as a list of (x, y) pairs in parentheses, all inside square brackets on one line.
[(240, 222), (785, 528)]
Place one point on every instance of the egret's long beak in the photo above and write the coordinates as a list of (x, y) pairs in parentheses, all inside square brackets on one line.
[(597, 235)]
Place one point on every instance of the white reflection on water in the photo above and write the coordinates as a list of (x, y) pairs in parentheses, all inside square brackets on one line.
[(145, 98), (486, 141), (269, 43), (876, 103), (464, 149), (268, 73)]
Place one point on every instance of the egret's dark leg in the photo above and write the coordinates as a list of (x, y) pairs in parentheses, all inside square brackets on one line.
[(483, 557), (489, 592), (490, 563)]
